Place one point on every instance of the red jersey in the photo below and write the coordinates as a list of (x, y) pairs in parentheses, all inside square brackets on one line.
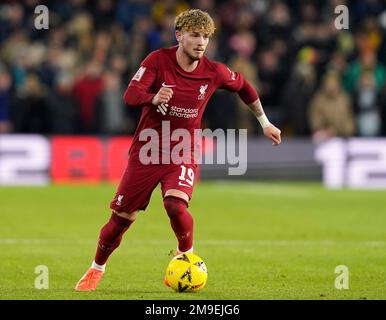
[(192, 91)]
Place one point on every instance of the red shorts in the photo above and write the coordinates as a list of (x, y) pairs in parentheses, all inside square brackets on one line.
[(139, 181)]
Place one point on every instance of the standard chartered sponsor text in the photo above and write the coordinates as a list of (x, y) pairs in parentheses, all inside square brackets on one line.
[(183, 112)]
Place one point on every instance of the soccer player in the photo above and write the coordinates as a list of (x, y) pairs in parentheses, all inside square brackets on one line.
[(172, 84)]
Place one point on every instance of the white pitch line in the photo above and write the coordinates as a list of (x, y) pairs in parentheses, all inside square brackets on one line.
[(234, 242)]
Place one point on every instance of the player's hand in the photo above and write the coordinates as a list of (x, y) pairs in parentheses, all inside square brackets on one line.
[(273, 133), (163, 96)]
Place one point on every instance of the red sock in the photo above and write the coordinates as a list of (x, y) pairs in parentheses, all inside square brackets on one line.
[(110, 237), (181, 221)]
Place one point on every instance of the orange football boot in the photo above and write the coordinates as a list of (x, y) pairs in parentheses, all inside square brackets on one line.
[(90, 280)]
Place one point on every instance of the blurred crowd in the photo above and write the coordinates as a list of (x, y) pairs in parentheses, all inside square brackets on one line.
[(313, 79)]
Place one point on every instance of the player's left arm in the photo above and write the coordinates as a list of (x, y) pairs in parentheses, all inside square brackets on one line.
[(270, 131), (234, 81)]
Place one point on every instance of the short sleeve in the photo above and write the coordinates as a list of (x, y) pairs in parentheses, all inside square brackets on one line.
[(228, 79)]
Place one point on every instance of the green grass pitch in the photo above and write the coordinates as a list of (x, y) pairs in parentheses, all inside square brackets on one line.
[(259, 241)]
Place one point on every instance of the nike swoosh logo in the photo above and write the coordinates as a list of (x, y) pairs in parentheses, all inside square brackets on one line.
[(168, 85), (183, 184)]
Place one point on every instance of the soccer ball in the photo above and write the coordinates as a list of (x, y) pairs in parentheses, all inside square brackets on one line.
[(187, 272)]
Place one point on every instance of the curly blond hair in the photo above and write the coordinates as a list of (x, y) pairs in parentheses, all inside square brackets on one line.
[(195, 20)]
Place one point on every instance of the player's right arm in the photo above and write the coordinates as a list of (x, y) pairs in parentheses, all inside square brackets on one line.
[(138, 92), (163, 96)]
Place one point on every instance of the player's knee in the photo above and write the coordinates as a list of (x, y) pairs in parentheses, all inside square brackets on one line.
[(174, 206), (129, 216)]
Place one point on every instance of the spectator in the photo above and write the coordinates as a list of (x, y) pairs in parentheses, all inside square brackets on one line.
[(337, 63), (297, 95), (120, 40), (5, 85), (277, 23), (366, 108), (12, 18), (330, 111), (244, 44), (110, 109), (80, 29), (31, 113), (103, 13), (102, 47), (87, 90), (48, 69), (63, 107), (15, 54), (272, 76), (366, 63)]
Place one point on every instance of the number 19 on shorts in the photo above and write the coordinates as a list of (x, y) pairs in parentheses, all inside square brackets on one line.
[(186, 177)]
